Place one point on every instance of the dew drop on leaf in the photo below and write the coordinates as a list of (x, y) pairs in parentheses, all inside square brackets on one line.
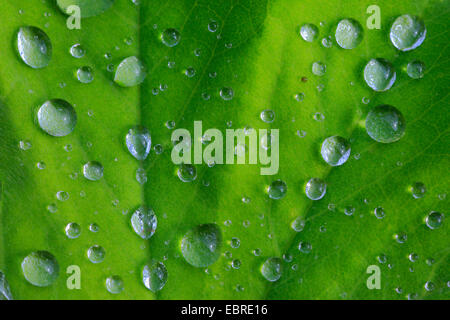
[(434, 220), (201, 245), (379, 74), (73, 230), (309, 32), (415, 69), (154, 275), (96, 254), (349, 33), (335, 150), (40, 268), (418, 190), (385, 124), (34, 47), (138, 142), (144, 222), (187, 172), (130, 72), (226, 93), (277, 189), (5, 290), (93, 170), (57, 117), (170, 37), (77, 51), (271, 269), (114, 284), (85, 74), (407, 32)]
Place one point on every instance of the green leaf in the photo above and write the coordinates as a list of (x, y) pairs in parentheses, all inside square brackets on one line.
[(257, 51)]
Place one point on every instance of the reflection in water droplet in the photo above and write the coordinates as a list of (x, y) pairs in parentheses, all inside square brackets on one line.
[(434, 220), (407, 32), (335, 150), (130, 72), (138, 142), (114, 284), (309, 32), (201, 245), (349, 33), (144, 222), (170, 37), (57, 117), (379, 74), (154, 276), (40, 268), (73, 230), (315, 189), (93, 170), (271, 269), (385, 124), (96, 254)]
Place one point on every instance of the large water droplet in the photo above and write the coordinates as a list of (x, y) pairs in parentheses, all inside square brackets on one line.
[(34, 47), (407, 32), (309, 32), (96, 254), (144, 222), (434, 220), (226, 93), (277, 190), (139, 142), (130, 72), (272, 269), (335, 150), (5, 291), (154, 276), (57, 117), (93, 170), (114, 284), (170, 37), (40, 268), (349, 33), (268, 116), (201, 245), (379, 74), (385, 124), (315, 189)]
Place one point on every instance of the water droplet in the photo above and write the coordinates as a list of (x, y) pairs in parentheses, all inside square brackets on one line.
[(187, 172), (309, 32), (130, 72), (93, 227), (277, 189), (34, 47), (40, 268), (57, 117), (299, 97), (349, 33), (407, 32), (382, 258), (96, 254), (401, 237), (429, 286), (144, 222), (315, 189), (201, 245), (434, 220), (327, 43), (385, 124), (379, 212), (139, 142), (114, 284), (335, 150), (227, 93), (93, 170), (349, 210), (5, 291), (77, 51), (268, 116), (85, 74), (141, 176), (235, 243), (189, 72), (298, 224), (304, 247), (272, 269), (170, 37), (236, 264), (415, 69), (154, 275), (41, 165), (379, 74), (73, 230), (319, 68), (413, 257), (25, 145), (418, 190), (62, 196), (213, 26)]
